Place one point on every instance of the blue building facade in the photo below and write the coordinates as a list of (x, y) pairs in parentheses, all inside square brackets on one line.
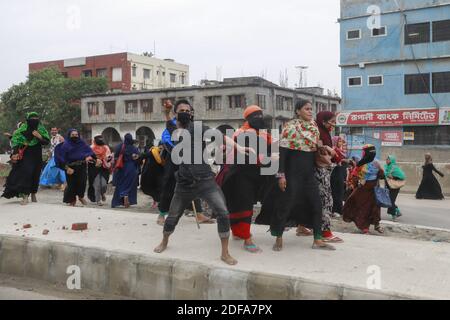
[(395, 61)]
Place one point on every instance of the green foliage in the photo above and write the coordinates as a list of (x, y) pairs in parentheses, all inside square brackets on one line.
[(54, 97)]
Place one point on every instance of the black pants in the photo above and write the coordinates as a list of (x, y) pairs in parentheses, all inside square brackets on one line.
[(338, 188), (393, 194), (76, 184), (168, 189), (207, 190)]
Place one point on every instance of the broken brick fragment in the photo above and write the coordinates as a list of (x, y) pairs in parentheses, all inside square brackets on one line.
[(27, 226), (45, 232), (79, 226)]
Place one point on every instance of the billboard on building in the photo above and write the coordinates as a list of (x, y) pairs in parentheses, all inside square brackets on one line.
[(392, 138), (389, 118), (444, 116)]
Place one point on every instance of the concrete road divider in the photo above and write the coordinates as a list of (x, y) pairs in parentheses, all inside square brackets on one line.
[(143, 277)]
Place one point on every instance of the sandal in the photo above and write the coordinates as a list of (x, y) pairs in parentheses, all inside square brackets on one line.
[(365, 231), (333, 239), (379, 229), (325, 247), (252, 248), (304, 232)]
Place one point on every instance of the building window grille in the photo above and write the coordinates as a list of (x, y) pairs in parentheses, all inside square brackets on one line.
[(93, 109), (147, 73), (110, 107), (441, 82), (375, 80), (131, 106), (102, 73), (417, 83), (214, 103), (379, 32), (147, 106), (355, 81), (261, 101), (417, 33), (353, 34), (441, 30), (237, 101)]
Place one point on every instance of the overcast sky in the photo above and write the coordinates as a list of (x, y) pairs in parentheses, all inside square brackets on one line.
[(242, 37)]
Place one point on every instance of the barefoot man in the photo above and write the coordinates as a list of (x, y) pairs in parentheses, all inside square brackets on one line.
[(196, 181)]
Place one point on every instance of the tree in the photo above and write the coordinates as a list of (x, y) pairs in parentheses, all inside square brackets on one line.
[(49, 93)]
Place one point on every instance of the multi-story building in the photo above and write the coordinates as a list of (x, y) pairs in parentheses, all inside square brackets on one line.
[(395, 60), (125, 71), (216, 103)]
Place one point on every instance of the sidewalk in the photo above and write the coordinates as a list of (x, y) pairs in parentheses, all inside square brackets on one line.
[(408, 267)]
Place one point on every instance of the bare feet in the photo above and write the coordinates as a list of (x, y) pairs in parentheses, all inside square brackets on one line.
[(24, 201), (278, 246), (161, 220), (126, 202), (320, 245), (229, 260), (202, 219), (33, 197), (83, 201), (162, 247)]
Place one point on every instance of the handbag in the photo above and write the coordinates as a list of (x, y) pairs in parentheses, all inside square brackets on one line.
[(395, 184), (120, 163), (382, 197)]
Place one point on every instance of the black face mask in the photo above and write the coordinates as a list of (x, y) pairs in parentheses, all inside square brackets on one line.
[(184, 118), (257, 123), (74, 139), (99, 141), (33, 124)]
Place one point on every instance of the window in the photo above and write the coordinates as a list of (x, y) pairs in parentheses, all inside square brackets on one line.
[(289, 103), (441, 30), (117, 74), (334, 107), (320, 106), (183, 78), (417, 83), (110, 107), (261, 101), (87, 73), (379, 32), (417, 33), (441, 82), (93, 109), (134, 70), (279, 103), (173, 78), (354, 34), (375, 80), (147, 73), (214, 103), (436, 135), (237, 101), (102, 73), (355, 82), (147, 106), (131, 106)]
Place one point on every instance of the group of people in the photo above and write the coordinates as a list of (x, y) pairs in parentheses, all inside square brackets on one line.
[(316, 179)]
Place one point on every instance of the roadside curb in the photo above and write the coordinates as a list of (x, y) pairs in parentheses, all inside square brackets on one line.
[(144, 277)]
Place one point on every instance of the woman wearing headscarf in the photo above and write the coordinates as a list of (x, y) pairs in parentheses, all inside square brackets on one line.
[(361, 207), (339, 175), (295, 200), (326, 122), (26, 159), (430, 188), (73, 156), (243, 182), (98, 172), (393, 173), (125, 179), (153, 173)]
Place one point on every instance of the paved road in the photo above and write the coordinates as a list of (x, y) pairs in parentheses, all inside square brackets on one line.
[(423, 212)]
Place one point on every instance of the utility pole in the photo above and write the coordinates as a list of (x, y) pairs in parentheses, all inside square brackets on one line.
[(303, 81)]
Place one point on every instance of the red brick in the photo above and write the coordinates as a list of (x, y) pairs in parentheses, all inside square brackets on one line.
[(27, 226), (79, 226)]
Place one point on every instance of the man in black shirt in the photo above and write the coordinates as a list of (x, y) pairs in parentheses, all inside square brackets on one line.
[(195, 179)]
